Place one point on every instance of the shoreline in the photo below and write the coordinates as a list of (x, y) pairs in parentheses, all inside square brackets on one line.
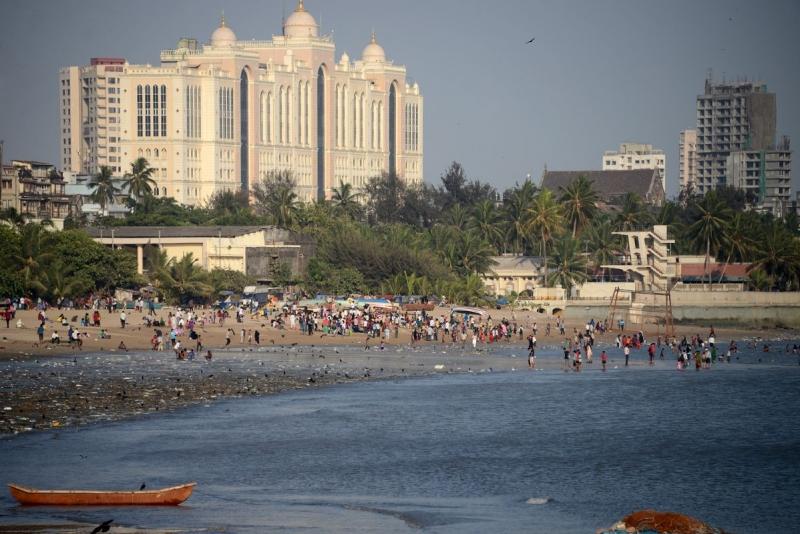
[(45, 387)]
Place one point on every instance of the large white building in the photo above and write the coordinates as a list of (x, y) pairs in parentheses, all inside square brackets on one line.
[(224, 115), (632, 156)]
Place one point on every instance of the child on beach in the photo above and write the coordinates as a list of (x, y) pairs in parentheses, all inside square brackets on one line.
[(604, 359)]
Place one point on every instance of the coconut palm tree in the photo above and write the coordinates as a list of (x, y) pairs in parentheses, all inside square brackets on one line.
[(103, 188), (457, 217), (184, 279), (569, 265), (632, 213), (778, 255), (11, 216), (579, 201), (60, 286), (284, 207), (139, 181), (603, 245), (346, 201), (736, 239), (470, 290), (517, 214), (708, 229), (545, 221), (34, 254), (486, 222)]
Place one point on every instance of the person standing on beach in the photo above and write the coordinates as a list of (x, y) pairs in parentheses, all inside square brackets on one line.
[(565, 348), (604, 359), (532, 358), (651, 353), (627, 351), (122, 318), (228, 334)]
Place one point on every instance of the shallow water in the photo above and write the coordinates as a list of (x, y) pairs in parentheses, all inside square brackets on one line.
[(450, 453)]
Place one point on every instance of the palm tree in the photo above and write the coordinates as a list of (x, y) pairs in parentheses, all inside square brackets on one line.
[(709, 226), (184, 279), (486, 221), (632, 213), (603, 244), (346, 201), (284, 207), (139, 182), (60, 286), (103, 188), (11, 216), (470, 290), (736, 238), (580, 203), (569, 265), (778, 256), (517, 213), (545, 221), (33, 255), (457, 217), (471, 254)]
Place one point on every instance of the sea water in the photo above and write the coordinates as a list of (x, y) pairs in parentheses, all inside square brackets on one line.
[(525, 451)]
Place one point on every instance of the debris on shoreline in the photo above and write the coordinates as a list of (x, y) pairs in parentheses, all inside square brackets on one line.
[(654, 522)]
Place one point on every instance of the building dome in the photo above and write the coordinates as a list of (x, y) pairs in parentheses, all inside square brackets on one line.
[(300, 23), (223, 36), (373, 52)]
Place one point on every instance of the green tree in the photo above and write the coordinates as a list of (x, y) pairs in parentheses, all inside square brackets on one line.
[(280, 273), (229, 280), (104, 191), (184, 280), (323, 277), (632, 213), (385, 197), (545, 221), (486, 222), (139, 182), (709, 227), (736, 240), (603, 245), (34, 253), (346, 201), (579, 202), (61, 286), (778, 256), (568, 264), (517, 206)]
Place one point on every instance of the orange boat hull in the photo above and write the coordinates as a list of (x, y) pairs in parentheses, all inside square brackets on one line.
[(162, 497)]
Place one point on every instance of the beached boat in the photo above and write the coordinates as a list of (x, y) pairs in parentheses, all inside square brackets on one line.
[(163, 496)]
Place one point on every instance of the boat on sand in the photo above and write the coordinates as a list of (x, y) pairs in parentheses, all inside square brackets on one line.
[(164, 496)]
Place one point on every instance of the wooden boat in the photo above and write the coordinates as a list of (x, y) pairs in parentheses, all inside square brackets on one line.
[(163, 496)]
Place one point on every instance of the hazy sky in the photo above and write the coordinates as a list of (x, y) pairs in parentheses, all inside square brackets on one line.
[(599, 72)]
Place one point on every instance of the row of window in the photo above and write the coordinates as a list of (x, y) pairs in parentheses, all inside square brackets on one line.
[(225, 113), (412, 127), (151, 111), (193, 111)]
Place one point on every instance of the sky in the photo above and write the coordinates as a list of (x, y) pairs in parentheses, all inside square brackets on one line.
[(599, 73)]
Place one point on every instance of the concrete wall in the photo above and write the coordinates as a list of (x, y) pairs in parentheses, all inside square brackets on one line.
[(601, 290), (744, 308)]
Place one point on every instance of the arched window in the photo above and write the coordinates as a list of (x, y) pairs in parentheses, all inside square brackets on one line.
[(148, 154), (164, 191), (140, 153), (155, 191), (155, 153)]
